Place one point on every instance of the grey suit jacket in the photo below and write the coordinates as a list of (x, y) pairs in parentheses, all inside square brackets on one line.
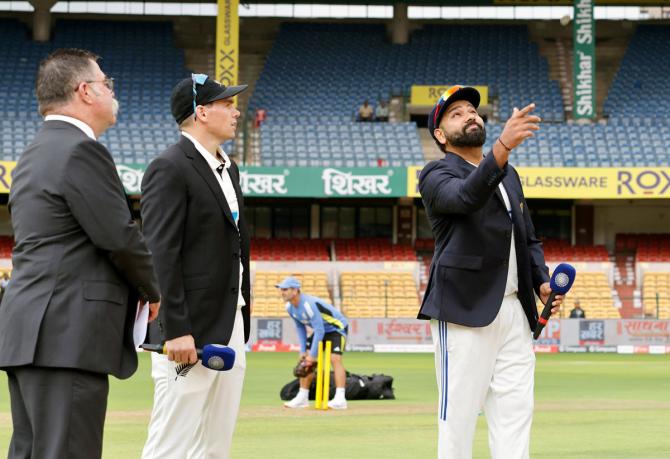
[(80, 262)]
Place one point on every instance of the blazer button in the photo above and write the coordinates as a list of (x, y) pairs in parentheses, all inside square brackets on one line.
[(505, 262), (233, 290)]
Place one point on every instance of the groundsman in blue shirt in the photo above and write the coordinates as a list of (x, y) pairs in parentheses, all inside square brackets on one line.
[(327, 324)]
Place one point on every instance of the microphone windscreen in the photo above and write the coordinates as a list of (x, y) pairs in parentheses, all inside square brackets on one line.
[(218, 357), (562, 278)]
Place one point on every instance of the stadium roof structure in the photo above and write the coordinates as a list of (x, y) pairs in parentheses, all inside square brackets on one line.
[(644, 3), (470, 2)]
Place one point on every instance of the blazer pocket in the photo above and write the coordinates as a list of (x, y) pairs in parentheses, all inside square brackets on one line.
[(196, 282), (103, 291), (452, 260)]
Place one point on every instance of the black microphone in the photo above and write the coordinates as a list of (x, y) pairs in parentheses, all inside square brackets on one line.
[(561, 281), (213, 356)]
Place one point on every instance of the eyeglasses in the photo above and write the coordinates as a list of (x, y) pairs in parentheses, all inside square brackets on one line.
[(197, 78), (108, 82)]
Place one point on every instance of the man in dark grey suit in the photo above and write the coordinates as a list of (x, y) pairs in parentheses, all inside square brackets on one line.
[(80, 267), (193, 219)]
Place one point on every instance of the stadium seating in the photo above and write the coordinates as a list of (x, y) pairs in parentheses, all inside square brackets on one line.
[(266, 298), (637, 133), (341, 144), (594, 294), (639, 142), (323, 84), (652, 247), (140, 56), (641, 85), (322, 68), (379, 294), (656, 294), (554, 250), (561, 250), (6, 246), (313, 78), (424, 245), (290, 249), (372, 250)]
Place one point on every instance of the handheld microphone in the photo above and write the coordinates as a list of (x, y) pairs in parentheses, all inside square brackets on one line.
[(213, 356), (561, 281)]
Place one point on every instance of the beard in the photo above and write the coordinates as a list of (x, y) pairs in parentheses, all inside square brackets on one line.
[(468, 138)]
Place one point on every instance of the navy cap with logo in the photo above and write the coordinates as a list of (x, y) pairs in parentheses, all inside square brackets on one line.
[(450, 96), (198, 90)]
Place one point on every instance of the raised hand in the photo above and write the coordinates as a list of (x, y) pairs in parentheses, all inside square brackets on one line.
[(519, 127)]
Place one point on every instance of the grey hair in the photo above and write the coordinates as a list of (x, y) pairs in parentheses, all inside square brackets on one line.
[(59, 74)]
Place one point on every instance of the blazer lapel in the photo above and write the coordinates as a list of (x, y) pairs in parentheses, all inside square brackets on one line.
[(468, 168), (508, 183), (207, 175), (501, 200)]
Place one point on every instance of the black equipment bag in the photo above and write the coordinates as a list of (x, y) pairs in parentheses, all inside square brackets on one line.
[(375, 387)]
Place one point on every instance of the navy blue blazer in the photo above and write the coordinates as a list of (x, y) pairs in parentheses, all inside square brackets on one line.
[(472, 231)]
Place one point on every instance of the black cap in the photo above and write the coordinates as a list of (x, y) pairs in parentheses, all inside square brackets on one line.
[(181, 101), (450, 96)]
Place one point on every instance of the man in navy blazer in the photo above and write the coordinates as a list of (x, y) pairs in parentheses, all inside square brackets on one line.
[(486, 266)]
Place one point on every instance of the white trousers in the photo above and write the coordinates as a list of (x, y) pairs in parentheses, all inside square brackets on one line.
[(194, 415), (490, 368)]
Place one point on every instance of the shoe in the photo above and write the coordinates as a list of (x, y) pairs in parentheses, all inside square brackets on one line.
[(337, 404), (296, 403)]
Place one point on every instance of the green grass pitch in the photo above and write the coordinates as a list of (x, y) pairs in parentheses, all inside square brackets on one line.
[(586, 406)]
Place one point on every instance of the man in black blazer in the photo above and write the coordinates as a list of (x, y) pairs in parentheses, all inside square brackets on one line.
[(193, 218), (486, 265), (80, 267)]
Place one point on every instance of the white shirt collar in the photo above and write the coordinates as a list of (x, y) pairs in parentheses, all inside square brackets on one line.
[(211, 160), (79, 123)]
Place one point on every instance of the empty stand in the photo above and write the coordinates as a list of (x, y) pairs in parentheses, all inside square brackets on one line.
[(6, 246), (337, 66), (379, 294), (295, 141), (290, 249), (648, 247), (266, 298), (140, 56), (594, 294), (656, 294), (424, 245), (636, 142), (372, 250), (317, 75), (555, 249), (641, 85)]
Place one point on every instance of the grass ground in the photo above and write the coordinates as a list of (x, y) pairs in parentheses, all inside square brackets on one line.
[(587, 406)]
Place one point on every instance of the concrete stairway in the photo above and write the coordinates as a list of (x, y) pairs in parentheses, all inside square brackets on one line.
[(555, 44)]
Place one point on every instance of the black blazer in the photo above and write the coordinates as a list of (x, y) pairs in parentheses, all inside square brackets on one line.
[(472, 231), (80, 261), (196, 247)]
